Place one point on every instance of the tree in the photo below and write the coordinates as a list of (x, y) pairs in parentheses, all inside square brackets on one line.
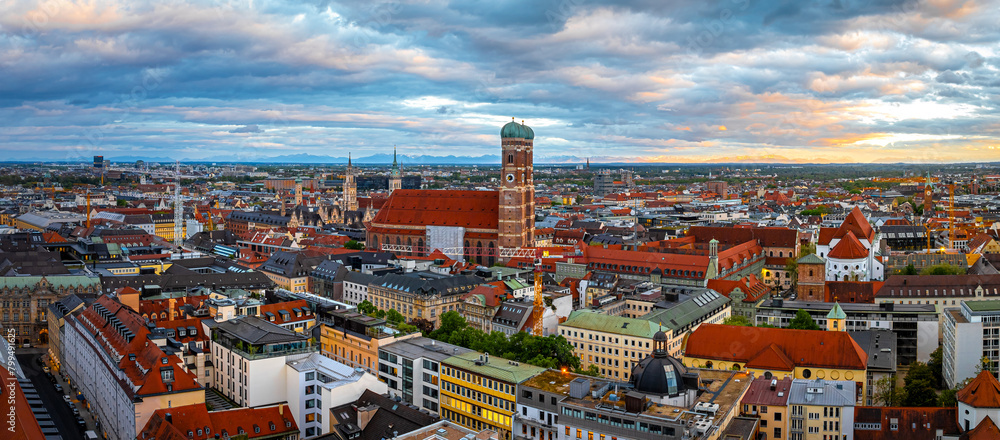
[(739, 320), (919, 386), (948, 398), (886, 393), (806, 249), (451, 322), (424, 325), (910, 270), (367, 307), (944, 269), (121, 203), (985, 364), (592, 371), (394, 317), (792, 267), (352, 244), (936, 364), (802, 321)]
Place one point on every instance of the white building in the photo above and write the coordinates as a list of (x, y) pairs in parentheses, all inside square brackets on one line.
[(971, 332), (852, 251), (258, 363), (316, 383), (412, 368), (122, 371)]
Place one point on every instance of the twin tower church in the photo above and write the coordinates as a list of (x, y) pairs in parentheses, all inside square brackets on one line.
[(471, 225)]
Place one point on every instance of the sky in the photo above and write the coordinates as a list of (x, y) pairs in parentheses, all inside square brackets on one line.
[(705, 81)]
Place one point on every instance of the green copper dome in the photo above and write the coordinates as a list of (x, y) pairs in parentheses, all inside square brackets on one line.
[(514, 130)]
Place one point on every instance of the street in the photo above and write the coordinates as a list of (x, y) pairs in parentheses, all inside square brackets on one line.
[(62, 414)]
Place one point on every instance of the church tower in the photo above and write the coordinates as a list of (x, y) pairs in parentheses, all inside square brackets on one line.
[(395, 180), (298, 191), (350, 188), (517, 190)]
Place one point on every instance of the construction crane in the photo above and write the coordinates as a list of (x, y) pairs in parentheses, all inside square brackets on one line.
[(538, 311)]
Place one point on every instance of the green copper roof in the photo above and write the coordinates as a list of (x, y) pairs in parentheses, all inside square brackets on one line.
[(496, 368), (515, 130), (811, 259), (56, 281), (588, 320), (836, 312)]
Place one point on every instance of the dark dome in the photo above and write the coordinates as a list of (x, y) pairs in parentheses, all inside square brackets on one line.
[(660, 337), (514, 130), (663, 376)]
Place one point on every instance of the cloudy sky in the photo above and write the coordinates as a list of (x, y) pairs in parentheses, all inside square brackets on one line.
[(641, 80)]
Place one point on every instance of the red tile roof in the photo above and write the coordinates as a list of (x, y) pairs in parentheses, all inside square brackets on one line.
[(982, 392), (202, 424), (805, 348), (751, 286), (985, 430), (852, 291), (615, 259), (771, 358), (856, 223), (826, 235), (768, 237), (143, 372), (415, 207), (760, 393), (25, 427), (287, 306), (911, 423), (848, 248)]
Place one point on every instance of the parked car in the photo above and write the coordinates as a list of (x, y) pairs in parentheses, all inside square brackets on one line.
[(59, 388), (45, 369), (67, 399)]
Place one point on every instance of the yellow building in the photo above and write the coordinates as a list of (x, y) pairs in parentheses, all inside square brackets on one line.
[(479, 391), (353, 339), (779, 353), (767, 399), (421, 295), (616, 343), (613, 343)]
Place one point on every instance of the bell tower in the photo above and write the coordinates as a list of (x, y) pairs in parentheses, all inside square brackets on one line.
[(350, 188), (517, 188), (395, 179)]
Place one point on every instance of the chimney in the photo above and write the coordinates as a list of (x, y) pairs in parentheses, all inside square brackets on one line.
[(281, 410), (365, 415)]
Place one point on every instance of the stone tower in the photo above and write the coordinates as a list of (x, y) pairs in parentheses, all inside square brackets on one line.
[(395, 179), (350, 188), (298, 191), (517, 190)]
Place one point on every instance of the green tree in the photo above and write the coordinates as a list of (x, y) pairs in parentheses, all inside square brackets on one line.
[(738, 320), (367, 307), (948, 398), (944, 269), (450, 322), (919, 386), (592, 371), (910, 270), (802, 321), (886, 393), (806, 249), (352, 244), (936, 364), (792, 267), (121, 203), (394, 317)]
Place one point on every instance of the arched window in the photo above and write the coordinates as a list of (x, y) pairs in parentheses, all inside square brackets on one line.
[(510, 158), (420, 246), (397, 240)]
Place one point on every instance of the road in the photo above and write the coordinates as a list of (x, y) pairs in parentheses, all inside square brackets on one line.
[(62, 414)]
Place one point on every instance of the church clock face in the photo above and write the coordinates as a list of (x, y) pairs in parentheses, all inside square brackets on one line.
[(510, 177)]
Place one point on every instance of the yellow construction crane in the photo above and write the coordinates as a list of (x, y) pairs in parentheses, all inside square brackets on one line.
[(538, 311)]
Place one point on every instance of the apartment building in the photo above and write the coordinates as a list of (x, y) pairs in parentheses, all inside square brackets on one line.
[(821, 410), (613, 343), (353, 339), (411, 369), (478, 391), (971, 333)]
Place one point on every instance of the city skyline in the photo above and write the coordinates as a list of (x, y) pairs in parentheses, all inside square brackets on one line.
[(728, 82)]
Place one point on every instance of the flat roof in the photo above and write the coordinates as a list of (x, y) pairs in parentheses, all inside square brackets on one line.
[(424, 347), (985, 305)]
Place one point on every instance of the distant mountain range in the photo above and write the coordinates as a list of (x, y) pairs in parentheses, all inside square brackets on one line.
[(485, 160)]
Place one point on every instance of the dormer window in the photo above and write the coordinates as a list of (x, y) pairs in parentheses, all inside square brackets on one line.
[(167, 374)]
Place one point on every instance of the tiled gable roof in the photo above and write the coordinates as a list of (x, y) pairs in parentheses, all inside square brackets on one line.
[(848, 248), (413, 207), (985, 430), (982, 392), (771, 358), (203, 425), (857, 224), (805, 348)]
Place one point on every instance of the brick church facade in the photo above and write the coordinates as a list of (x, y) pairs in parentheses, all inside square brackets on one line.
[(487, 220)]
